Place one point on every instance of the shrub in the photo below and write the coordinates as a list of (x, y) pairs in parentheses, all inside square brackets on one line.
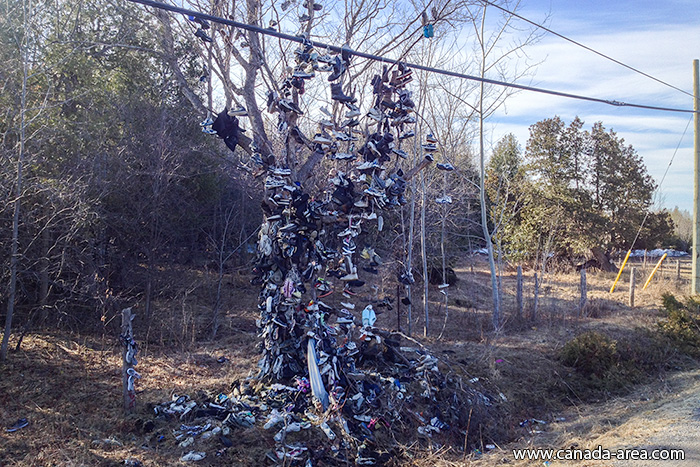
[(682, 323), (591, 354), (604, 365)]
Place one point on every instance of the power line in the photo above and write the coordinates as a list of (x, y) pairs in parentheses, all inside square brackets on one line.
[(662, 181), (381, 59), (561, 36)]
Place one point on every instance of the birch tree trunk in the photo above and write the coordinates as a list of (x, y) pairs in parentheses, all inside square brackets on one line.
[(14, 258), (496, 316)]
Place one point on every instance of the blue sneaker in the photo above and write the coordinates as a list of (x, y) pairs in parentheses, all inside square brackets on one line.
[(18, 425)]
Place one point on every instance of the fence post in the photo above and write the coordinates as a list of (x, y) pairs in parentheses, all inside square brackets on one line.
[(678, 270), (129, 350), (519, 293), (398, 307), (632, 279), (584, 293), (535, 302)]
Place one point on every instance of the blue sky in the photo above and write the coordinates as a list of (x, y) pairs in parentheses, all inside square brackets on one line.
[(660, 38)]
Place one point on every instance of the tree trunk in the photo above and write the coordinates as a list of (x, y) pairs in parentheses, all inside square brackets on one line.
[(584, 293), (603, 261), (519, 293), (14, 258), (44, 268), (445, 291), (496, 317), (424, 255)]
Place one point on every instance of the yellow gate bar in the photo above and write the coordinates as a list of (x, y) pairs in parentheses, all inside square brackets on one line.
[(612, 289), (654, 270)]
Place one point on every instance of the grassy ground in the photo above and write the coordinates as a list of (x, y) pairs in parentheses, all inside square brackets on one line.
[(68, 386)]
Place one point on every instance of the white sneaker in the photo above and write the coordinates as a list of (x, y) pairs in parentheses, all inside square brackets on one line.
[(350, 277), (273, 419), (193, 456), (327, 430)]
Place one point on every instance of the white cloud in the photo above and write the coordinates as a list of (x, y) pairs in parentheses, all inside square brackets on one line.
[(662, 52)]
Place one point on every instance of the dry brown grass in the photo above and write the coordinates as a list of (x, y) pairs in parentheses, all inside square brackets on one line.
[(68, 386)]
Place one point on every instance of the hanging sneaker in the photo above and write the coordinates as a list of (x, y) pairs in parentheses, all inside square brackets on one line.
[(273, 182), (288, 105), (405, 98), (407, 278), (430, 138), (322, 139), (239, 111), (271, 101), (314, 6), (282, 171), (401, 153), (446, 199), (133, 375), (202, 35), (375, 114), (341, 136), (325, 58), (349, 277), (303, 74), (346, 53), (298, 136), (408, 134), (351, 122), (344, 156), (202, 22), (446, 166)]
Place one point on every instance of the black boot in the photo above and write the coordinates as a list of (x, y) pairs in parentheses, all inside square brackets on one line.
[(338, 69), (338, 95)]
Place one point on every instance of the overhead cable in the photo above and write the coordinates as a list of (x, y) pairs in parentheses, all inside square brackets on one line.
[(658, 188), (271, 32), (561, 36)]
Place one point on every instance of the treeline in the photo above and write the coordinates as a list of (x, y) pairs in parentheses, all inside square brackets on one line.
[(573, 194), (118, 183), (120, 190)]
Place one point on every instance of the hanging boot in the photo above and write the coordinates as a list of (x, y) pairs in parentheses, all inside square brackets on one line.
[(338, 69), (338, 95), (203, 35)]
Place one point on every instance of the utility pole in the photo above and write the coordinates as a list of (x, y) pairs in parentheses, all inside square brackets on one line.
[(695, 281)]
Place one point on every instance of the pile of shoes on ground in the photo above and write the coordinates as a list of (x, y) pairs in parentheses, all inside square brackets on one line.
[(394, 395)]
